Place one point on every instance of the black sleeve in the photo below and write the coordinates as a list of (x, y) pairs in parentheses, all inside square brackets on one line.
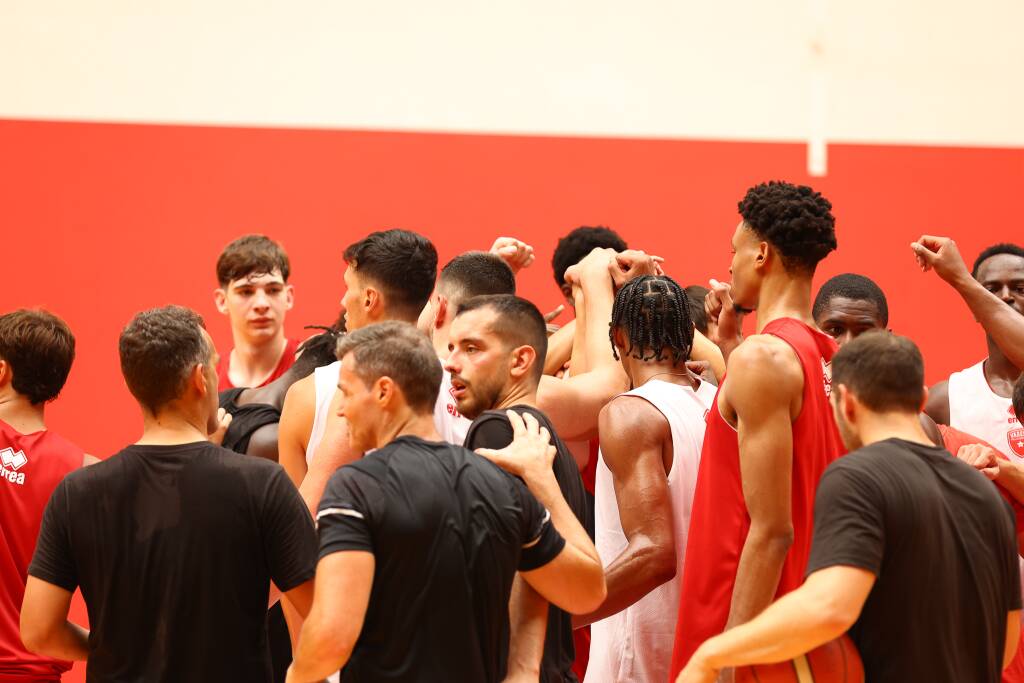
[(53, 561), (1012, 560), (289, 537), (848, 526), (490, 430), (345, 516), (541, 541)]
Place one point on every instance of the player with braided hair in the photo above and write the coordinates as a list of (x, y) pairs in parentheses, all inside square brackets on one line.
[(771, 433), (651, 440)]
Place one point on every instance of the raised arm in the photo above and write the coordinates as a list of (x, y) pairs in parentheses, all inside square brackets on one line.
[(633, 435), (819, 611), (765, 395), (1004, 324)]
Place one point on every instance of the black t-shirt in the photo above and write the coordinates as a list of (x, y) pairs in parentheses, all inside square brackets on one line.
[(493, 430), (448, 530), (942, 543), (245, 419), (174, 548)]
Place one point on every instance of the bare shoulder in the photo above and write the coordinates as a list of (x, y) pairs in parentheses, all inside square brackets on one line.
[(631, 421), (765, 360), (300, 398), (937, 406)]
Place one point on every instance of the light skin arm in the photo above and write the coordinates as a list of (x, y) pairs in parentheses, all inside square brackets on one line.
[(559, 348), (342, 594), (574, 580), (333, 452), (633, 434), (45, 629), (1002, 323), (706, 350), (762, 396), (293, 430), (821, 610), (528, 621)]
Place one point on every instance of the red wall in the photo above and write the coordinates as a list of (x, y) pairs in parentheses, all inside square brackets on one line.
[(100, 221)]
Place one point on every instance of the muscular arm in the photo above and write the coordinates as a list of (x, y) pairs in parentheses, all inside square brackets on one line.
[(634, 439), (296, 423), (528, 622), (263, 442), (819, 611), (706, 350), (342, 594), (1002, 323), (333, 452), (45, 629), (559, 348), (765, 395)]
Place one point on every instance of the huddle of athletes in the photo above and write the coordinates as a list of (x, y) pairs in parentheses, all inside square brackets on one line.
[(463, 489)]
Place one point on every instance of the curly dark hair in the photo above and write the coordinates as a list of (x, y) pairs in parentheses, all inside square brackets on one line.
[(573, 247), (794, 219), (39, 348), (654, 312), (851, 286)]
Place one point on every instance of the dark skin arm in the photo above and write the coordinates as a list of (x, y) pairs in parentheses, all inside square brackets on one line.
[(636, 442), (263, 442), (937, 407), (764, 398)]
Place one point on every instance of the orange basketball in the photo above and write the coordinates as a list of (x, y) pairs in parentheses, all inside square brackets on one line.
[(834, 662)]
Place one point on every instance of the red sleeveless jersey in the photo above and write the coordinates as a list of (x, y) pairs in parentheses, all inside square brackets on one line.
[(720, 521), (31, 466), (287, 360)]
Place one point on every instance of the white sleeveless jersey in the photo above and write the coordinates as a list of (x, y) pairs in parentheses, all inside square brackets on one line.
[(976, 409), (636, 644), (451, 425)]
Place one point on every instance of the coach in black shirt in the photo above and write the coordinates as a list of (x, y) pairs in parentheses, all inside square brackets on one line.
[(913, 551), (420, 539), (174, 541)]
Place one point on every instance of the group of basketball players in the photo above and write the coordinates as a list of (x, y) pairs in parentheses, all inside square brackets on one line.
[(442, 486)]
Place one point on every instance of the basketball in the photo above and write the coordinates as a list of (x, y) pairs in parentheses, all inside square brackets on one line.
[(836, 661)]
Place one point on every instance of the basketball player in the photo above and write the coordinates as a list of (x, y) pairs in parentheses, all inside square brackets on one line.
[(36, 352), (913, 552), (256, 412), (574, 246), (849, 305), (978, 400), (174, 541), (390, 276), (253, 292), (420, 539), (495, 363), (651, 440), (771, 433)]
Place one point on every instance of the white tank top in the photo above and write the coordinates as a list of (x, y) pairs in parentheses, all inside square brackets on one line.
[(976, 409), (636, 644), (450, 424)]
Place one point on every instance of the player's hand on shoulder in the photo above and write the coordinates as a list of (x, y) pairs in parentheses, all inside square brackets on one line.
[(981, 458), (516, 253), (530, 455), (223, 422), (941, 255)]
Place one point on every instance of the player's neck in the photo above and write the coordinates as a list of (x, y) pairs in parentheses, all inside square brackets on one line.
[(253, 361), (641, 373), (18, 412), (875, 427), (518, 395), (409, 423), (998, 366), (172, 425), (784, 296)]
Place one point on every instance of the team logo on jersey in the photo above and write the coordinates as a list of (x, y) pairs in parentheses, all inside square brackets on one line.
[(826, 373), (1016, 439), (11, 462)]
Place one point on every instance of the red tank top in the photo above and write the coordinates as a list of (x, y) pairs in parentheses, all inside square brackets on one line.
[(287, 360), (31, 466), (720, 522)]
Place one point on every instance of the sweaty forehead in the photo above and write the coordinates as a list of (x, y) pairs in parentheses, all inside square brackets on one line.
[(1001, 268), (841, 308)]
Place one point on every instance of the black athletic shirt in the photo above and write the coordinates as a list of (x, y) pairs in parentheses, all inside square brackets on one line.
[(942, 543), (245, 419), (493, 430), (174, 548), (448, 530)]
